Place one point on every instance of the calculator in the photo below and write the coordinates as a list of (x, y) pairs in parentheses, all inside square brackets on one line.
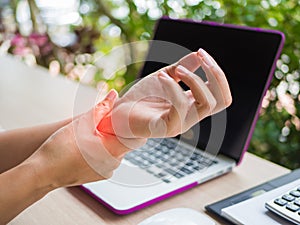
[(287, 205)]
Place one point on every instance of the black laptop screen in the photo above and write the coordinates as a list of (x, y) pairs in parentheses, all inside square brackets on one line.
[(247, 57)]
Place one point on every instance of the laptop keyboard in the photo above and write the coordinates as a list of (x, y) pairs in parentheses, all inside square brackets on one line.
[(169, 160)]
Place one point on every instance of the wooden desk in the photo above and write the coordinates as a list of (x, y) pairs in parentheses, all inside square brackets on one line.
[(29, 96)]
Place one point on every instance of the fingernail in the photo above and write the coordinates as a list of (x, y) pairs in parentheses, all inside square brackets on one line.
[(182, 69), (112, 95), (206, 57), (165, 75)]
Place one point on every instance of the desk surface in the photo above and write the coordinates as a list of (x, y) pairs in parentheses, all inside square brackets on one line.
[(29, 96)]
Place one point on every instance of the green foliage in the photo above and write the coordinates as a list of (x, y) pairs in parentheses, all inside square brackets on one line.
[(116, 22)]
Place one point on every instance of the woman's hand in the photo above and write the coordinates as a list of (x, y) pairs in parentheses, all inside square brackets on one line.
[(79, 153), (157, 106), (75, 154)]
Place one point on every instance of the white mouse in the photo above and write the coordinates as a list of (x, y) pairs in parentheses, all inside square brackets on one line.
[(178, 216)]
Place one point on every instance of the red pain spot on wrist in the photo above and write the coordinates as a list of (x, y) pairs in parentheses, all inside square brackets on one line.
[(105, 126)]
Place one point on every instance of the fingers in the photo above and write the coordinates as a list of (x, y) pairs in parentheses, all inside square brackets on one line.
[(219, 85), (175, 117), (191, 62), (204, 99), (105, 106), (217, 81)]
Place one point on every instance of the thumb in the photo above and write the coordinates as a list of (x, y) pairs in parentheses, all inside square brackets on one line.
[(105, 106)]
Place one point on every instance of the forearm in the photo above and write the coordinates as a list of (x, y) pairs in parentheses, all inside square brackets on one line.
[(22, 186), (17, 145)]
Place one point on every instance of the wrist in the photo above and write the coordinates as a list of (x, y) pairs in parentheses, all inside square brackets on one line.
[(113, 140), (41, 172), (52, 167), (62, 162), (105, 125)]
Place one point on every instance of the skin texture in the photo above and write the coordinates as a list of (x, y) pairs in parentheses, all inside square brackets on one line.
[(90, 147), (156, 106), (58, 162)]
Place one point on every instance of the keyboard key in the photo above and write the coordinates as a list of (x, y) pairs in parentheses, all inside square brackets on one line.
[(189, 164), (128, 156), (162, 157), (196, 168), (165, 149), (181, 158), (178, 175), (280, 201), (172, 152), (185, 170), (194, 157), (173, 162), (166, 180), (154, 170), (160, 175), (170, 171), (151, 142), (160, 165), (133, 161), (190, 168), (144, 164), (185, 152), (145, 156), (171, 145), (158, 147)]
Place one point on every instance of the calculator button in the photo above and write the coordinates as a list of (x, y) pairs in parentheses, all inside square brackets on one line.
[(288, 198), (295, 193), (297, 202), (292, 207), (280, 201)]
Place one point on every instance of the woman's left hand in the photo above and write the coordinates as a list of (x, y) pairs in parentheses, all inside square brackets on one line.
[(157, 106)]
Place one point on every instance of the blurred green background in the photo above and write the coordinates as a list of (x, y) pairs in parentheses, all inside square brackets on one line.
[(67, 36)]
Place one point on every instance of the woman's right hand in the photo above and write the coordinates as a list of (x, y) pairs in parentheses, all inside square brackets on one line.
[(79, 153), (76, 153)]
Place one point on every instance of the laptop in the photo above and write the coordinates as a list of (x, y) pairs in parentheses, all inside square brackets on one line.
[(167, 166)]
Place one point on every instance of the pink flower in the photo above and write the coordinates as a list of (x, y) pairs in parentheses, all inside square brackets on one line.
[(21, 51), (46, 49), (38, 39), (18, 40)]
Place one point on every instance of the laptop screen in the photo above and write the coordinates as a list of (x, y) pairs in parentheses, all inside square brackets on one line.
[(246, 55)]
